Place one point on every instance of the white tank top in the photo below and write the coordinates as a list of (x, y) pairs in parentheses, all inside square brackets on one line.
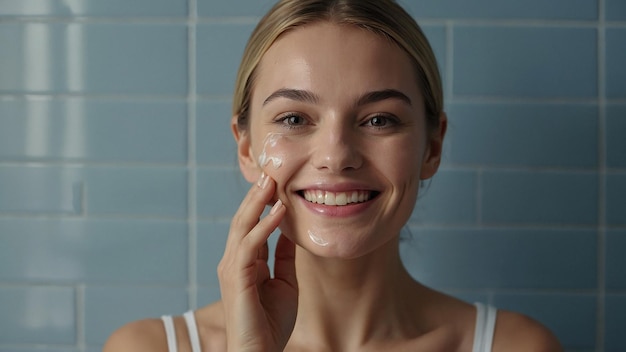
[(483, 333)]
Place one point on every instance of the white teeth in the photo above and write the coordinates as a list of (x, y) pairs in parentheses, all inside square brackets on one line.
[(341, 199), (336, 198)]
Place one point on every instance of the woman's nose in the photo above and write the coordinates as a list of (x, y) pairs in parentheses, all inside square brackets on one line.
[(336, 149)]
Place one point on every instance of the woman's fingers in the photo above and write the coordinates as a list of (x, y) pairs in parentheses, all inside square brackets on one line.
[(284, 261), (248, 248), (251, 208)]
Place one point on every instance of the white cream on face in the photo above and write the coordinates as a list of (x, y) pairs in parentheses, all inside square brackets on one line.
[(317, 240), (268, 154)]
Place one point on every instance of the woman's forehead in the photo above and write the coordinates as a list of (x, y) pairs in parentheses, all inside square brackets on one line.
[(331, 59)]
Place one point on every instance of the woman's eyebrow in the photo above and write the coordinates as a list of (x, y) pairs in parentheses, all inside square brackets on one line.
[(309, 97), (293, 94), (379, 95)]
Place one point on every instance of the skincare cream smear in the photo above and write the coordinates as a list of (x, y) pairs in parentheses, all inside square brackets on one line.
[(267, 156), (317, 240)]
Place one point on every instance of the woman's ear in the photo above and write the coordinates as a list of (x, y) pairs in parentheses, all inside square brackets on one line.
[(247, 162), (434, 149)]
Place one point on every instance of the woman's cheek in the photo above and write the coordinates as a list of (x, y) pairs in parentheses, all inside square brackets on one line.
[(277, 158)]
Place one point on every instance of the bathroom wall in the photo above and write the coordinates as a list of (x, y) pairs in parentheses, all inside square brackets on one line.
[(118, 175)]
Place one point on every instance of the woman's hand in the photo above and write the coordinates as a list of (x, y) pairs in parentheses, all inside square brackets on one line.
[(260, 311)]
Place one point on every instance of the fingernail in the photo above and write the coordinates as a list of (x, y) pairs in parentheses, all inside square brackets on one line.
[(276, 206), (263, 179)]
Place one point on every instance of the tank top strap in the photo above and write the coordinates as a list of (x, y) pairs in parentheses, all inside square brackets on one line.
[(170, 333), (485, 327), (192, 328)]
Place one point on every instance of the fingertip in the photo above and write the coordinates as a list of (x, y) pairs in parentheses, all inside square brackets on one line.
[(276, 207)]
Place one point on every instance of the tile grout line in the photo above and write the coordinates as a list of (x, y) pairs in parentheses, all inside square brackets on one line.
[(601, 250), (191, 159), (80, 317)]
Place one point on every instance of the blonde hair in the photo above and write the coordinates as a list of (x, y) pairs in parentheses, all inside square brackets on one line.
[(383, 17)]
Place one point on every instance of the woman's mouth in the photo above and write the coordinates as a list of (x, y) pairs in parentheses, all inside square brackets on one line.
[(337, 198)]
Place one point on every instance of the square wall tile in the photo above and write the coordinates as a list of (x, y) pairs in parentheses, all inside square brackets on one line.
[(76, 250), (234, 8), (108, 308), (109, 8), (212, 238), (93, 130), (219, 52), (436, 36), (470, 259), (494, 9), (96, 58), (615, 132), (615, 200), (615, 58), (40, 190), (615, 10), (220, 192), (615, 320), (571, 317), (525, 62), (521, 197), (501, 134), (450, 197), (139, 191), (215, 144), (37, 314), (615, 259)]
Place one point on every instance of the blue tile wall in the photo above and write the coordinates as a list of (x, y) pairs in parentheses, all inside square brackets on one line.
[(111, 8), (37, 314), (93, 58), (95, 130), (525, 62), (215, 144), (503, 258), (490, 9), (220, 191), (77, 250), (119, 177), (448, 198), (220, 47), (615, 58), (615, 141), (539, 198), (615, 259), (236, 8), (530, 135), (615, 200), (615, 10), (107, 308), (615, 322)]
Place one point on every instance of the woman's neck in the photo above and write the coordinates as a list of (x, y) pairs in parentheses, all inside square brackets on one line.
[(345, 304)]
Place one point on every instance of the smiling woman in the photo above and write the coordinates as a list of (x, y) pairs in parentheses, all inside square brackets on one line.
[(338, 117)]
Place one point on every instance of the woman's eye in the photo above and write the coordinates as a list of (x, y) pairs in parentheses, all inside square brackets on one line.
[(292, 120), (379, 121)]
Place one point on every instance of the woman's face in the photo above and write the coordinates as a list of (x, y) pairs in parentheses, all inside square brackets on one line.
[(337, 120)]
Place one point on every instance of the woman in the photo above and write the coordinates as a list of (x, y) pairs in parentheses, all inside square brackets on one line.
[(338, 117)]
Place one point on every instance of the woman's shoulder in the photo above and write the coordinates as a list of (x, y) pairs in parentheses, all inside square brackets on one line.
[(149, 334), (140, 335), (518, 332)]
